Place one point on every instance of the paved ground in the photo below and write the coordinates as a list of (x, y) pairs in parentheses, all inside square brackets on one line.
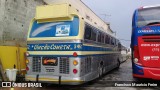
[(119, 76)]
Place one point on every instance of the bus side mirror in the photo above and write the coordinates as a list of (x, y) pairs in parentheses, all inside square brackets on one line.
[(130, 46)]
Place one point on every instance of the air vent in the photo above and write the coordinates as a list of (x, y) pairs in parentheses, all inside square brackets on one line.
[(64, 66), (36, 64), (151, 39)]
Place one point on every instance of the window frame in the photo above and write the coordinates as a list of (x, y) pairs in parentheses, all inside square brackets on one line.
[(100, 36)]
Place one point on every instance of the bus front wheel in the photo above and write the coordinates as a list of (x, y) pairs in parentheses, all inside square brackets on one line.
[(118, 63)]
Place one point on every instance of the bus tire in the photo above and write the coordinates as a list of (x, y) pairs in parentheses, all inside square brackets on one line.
[(118, 64), (100, 71), (104, 70)]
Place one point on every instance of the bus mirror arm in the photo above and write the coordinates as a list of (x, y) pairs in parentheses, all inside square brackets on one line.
[(37, 78), (59, 80), (131, 46)]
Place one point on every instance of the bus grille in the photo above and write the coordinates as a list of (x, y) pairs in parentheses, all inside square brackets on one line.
[(151, 39), (36, 65), (64, 66)]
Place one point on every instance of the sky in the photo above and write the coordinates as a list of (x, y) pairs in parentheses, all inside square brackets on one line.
[(119, 14)]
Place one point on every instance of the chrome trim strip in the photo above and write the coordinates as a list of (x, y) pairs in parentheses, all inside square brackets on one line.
[(54, 41)]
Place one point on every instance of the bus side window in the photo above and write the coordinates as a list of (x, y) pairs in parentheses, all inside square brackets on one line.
[(114, 41), (117, 43), (102, 38), (87, 32), (111, 41), (107, 39), (119, 46), (99, 36), (93, 34)]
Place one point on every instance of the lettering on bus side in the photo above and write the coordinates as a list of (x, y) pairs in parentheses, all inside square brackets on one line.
[(148, 45), (58, 47), (148, 31), (148, 58)]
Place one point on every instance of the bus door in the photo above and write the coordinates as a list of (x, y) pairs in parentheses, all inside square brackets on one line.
[(149, 51)]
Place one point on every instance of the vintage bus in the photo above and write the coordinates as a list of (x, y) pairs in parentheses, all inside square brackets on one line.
[(145, 42), (124, 54), (66, 48)]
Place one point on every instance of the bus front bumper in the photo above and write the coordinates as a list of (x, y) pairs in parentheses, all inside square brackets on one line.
[(145, 72), (54, 79)]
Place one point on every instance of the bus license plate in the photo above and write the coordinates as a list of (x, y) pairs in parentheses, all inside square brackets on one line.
[(50, 61)]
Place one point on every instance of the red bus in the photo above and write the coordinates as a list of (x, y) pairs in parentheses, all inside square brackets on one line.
[(145, 42)]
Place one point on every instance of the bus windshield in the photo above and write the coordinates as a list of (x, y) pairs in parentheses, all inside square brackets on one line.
[(148, 16), (55, 29)]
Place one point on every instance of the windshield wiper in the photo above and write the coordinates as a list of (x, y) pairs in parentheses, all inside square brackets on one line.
[(152, 23)]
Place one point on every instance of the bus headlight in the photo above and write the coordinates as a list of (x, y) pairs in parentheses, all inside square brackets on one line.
[(75, 62), (136, 60)]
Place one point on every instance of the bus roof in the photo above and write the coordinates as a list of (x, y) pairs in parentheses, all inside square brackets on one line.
[(151, 6), (86, 13)]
